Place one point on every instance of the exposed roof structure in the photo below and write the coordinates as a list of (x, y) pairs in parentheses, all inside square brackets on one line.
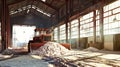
[(50, 8)]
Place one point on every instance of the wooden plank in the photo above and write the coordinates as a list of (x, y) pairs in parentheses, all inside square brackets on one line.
[(66, 21), (49, 5), (16, 2)]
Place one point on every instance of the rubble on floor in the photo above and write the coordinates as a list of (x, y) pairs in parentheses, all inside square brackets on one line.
[(8, 52), (3, 57), (51, 49), (24, 61), (75, 58), (86, 59), (91, 49)]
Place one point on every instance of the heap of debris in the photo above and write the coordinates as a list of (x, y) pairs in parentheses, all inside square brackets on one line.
[(91, 49), (51, 49), (8, 52)]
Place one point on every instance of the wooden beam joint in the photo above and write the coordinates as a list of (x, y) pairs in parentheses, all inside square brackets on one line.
[(49, 5)]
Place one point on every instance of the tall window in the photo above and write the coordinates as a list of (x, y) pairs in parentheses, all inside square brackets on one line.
[(74, 28), (86, 25), (62, 32), (56, 34), (97, 23), (112, 18)]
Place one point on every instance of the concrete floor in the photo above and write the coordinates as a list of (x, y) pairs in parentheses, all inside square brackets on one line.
[(75, 58), (24, 61)]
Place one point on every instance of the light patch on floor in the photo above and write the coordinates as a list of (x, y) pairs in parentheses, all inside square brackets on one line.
[(74, 57), (91, 59), (5, 56), (94, 64), (71, 58), (36, 57), (110, 56)]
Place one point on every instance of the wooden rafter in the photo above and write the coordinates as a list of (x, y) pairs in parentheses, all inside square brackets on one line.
[(49, 5), (51, 2), (16, 2)]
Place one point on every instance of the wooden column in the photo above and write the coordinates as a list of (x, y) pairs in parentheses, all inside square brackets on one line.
[(79, 32), (58, 34), (70, 7), (3, 25), (66, 21), (66, 32), (52, 38), (6, 30), (101, 28), (94, 27), (52, 32), (58, 16), (79, 25)]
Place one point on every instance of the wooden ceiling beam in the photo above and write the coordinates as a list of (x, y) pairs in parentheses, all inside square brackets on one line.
[(16, 2), (51, 2), (49, 5)]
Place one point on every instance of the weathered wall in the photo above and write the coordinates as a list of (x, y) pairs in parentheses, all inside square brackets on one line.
[(90, 39), (31, 19), (108, 42)]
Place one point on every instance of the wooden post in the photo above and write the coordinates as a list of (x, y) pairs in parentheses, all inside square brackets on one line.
[(79, 32), (70, 7), (52, 38), (8, 28), (94, 27), (79, 25), (3, 25), (58, 34), (58, 16), (70, 34), (66, 32), (101, 28), (66, 21)]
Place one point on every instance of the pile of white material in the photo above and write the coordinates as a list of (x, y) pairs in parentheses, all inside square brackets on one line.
[(51, 49), (91, 49)]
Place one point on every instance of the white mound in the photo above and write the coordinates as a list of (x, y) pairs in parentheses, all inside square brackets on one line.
[(91, 49), (51, 49)]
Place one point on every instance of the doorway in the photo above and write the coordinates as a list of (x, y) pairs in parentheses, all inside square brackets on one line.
[(21, 35)]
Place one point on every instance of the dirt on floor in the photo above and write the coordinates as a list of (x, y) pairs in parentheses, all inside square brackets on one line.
[(74, 58)]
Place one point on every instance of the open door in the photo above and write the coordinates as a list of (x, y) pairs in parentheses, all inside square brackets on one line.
[(21, 36)]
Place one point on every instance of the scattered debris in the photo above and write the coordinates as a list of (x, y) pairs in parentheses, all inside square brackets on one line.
[(91, 49), (24, 61), (8, 52), (51, 49)]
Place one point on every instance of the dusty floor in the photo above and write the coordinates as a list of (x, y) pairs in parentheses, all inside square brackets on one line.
[(24, 61), (89, 59), (75, 58)]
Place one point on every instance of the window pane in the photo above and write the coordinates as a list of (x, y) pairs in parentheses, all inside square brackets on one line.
[(112, 22)]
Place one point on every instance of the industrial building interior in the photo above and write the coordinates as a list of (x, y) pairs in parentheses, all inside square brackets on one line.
[(60, 33)]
